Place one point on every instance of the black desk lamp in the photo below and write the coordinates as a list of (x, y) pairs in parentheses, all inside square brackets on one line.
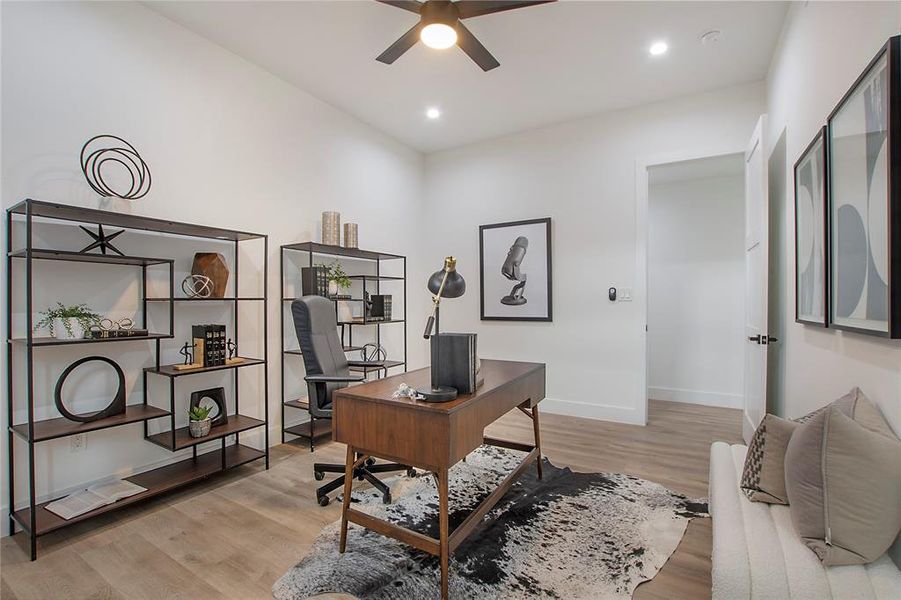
[(446, 283)]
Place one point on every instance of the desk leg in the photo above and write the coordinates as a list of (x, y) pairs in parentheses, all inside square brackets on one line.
[(537, 437), (348, 489), (442, 528)]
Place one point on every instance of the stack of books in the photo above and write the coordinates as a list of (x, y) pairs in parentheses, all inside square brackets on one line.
[(209, 341)]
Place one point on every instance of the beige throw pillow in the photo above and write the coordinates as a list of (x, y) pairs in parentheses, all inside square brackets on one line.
[(763, 476), (843, 480)]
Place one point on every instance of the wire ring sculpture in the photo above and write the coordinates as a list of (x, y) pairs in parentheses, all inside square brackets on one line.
[(113, 149), (197, 286)]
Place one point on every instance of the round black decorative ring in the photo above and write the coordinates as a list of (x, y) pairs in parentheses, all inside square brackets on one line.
[(113, 149), (116, 407)]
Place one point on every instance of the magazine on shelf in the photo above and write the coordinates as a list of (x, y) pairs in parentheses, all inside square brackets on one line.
[(92, 498)]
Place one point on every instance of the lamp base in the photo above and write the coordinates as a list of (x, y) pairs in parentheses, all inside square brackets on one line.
[(441, 393)]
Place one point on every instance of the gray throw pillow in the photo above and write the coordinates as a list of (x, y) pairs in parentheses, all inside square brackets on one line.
[(843, 480), (763, 476)]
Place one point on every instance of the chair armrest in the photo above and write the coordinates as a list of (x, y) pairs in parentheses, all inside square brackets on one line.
[(366, 363), (334, 378)]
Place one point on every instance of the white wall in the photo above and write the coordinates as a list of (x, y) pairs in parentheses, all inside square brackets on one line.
[(228, 145), (823, 49), (582, 174), (696, 290)]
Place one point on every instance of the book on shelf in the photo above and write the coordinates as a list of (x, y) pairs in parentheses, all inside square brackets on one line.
[(209, 341), (314, 281), (93, 497)]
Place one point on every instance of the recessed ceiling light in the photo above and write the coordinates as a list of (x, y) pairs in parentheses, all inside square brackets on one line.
[(433, 113), (438, 36), (658, 48)]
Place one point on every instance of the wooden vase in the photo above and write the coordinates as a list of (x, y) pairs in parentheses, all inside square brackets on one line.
[(212, 265)]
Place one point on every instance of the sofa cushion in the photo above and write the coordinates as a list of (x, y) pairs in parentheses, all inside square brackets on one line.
[(763, 476), (843, 480)]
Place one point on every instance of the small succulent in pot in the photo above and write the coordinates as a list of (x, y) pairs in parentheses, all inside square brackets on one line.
[(68, 322), (200, 421), (337, 278)]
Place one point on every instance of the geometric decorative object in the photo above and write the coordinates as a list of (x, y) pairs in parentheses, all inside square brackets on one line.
[(635, 526), (514, 254), (197, 286), (101, 240), (350, 235), (104, 151), (217, 396), (213, 266), (331, 228), (864, 189), (811, 256), (115, 407)]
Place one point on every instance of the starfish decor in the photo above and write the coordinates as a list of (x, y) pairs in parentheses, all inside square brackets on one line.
[(101, 240)]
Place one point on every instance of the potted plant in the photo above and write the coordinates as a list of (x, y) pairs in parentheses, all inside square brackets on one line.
[(200, 421), (68, 322), (337, 278)]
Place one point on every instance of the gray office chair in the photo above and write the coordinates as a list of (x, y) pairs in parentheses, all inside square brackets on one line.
[(327, 370)]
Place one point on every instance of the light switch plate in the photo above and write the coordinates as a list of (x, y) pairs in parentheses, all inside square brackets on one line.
[(625, 295)]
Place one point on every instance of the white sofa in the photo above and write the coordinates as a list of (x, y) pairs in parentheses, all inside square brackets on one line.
[(758, 555)]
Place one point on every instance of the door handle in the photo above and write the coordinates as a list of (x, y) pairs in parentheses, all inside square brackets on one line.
[(755, 338), (771, 339)]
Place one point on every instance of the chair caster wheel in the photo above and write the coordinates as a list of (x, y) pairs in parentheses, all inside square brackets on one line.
[(370, 461), (318, 475), (323, 501), (386, 499), (411, 472)]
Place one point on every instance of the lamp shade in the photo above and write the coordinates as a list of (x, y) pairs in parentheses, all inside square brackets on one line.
[(454, 287)]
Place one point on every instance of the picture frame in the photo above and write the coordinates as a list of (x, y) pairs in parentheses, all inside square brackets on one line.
[(864, 191), (812, 233), (515, 271)]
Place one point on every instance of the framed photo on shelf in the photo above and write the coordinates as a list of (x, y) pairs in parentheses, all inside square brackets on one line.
[(515, 271), (864, 190), (811, 255)]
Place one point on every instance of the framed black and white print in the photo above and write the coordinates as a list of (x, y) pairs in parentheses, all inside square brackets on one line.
[(515, 271), (811, 291), (864, 188)]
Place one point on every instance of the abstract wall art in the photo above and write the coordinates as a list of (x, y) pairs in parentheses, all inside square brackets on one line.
[(811, 294), (864, 189)]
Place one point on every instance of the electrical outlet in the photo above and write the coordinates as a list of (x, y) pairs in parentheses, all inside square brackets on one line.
[(625, 294), (78, 443)]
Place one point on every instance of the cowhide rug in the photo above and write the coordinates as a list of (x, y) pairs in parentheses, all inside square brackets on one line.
[(570, 535)]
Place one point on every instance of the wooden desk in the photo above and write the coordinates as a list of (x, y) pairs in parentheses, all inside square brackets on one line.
[(434, 436)]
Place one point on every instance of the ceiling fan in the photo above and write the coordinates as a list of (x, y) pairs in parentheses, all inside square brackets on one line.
[(440, 26)]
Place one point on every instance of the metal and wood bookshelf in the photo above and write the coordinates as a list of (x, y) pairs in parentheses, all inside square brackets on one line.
[(34, 518), (316, 429)]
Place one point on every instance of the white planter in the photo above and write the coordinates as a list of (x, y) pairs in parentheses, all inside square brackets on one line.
[(59, 329), (199, 429), (333, 288)]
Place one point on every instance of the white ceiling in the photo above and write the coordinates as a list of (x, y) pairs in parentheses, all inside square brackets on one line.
[(558, 61), (726, 165)]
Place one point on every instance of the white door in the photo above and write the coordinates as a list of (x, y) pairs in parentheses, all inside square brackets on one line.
[(756, 277)]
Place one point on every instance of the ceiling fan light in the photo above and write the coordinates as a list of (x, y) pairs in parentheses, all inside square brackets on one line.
[(438, 36)]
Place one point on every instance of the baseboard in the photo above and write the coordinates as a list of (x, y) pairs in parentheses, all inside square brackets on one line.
[(701, 397), (602, 412)]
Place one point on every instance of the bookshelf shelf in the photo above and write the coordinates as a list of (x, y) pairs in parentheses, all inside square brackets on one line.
[(363, 283), (35, 519)]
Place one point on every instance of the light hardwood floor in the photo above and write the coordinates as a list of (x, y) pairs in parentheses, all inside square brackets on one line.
[(234, 535)]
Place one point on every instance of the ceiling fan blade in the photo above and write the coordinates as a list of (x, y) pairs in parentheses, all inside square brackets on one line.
[(404, 43), (474, 48), (410, 5), (477, 8)]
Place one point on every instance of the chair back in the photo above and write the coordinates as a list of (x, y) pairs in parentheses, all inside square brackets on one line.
[(323, 352)]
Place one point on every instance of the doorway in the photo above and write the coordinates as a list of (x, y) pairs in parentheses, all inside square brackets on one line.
[(696, 281)]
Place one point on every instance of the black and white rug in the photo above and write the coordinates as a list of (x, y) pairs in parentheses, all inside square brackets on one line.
[(569, 535)]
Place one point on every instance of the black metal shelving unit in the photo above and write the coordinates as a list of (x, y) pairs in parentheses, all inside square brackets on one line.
[(315, 429), (34, 518)]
